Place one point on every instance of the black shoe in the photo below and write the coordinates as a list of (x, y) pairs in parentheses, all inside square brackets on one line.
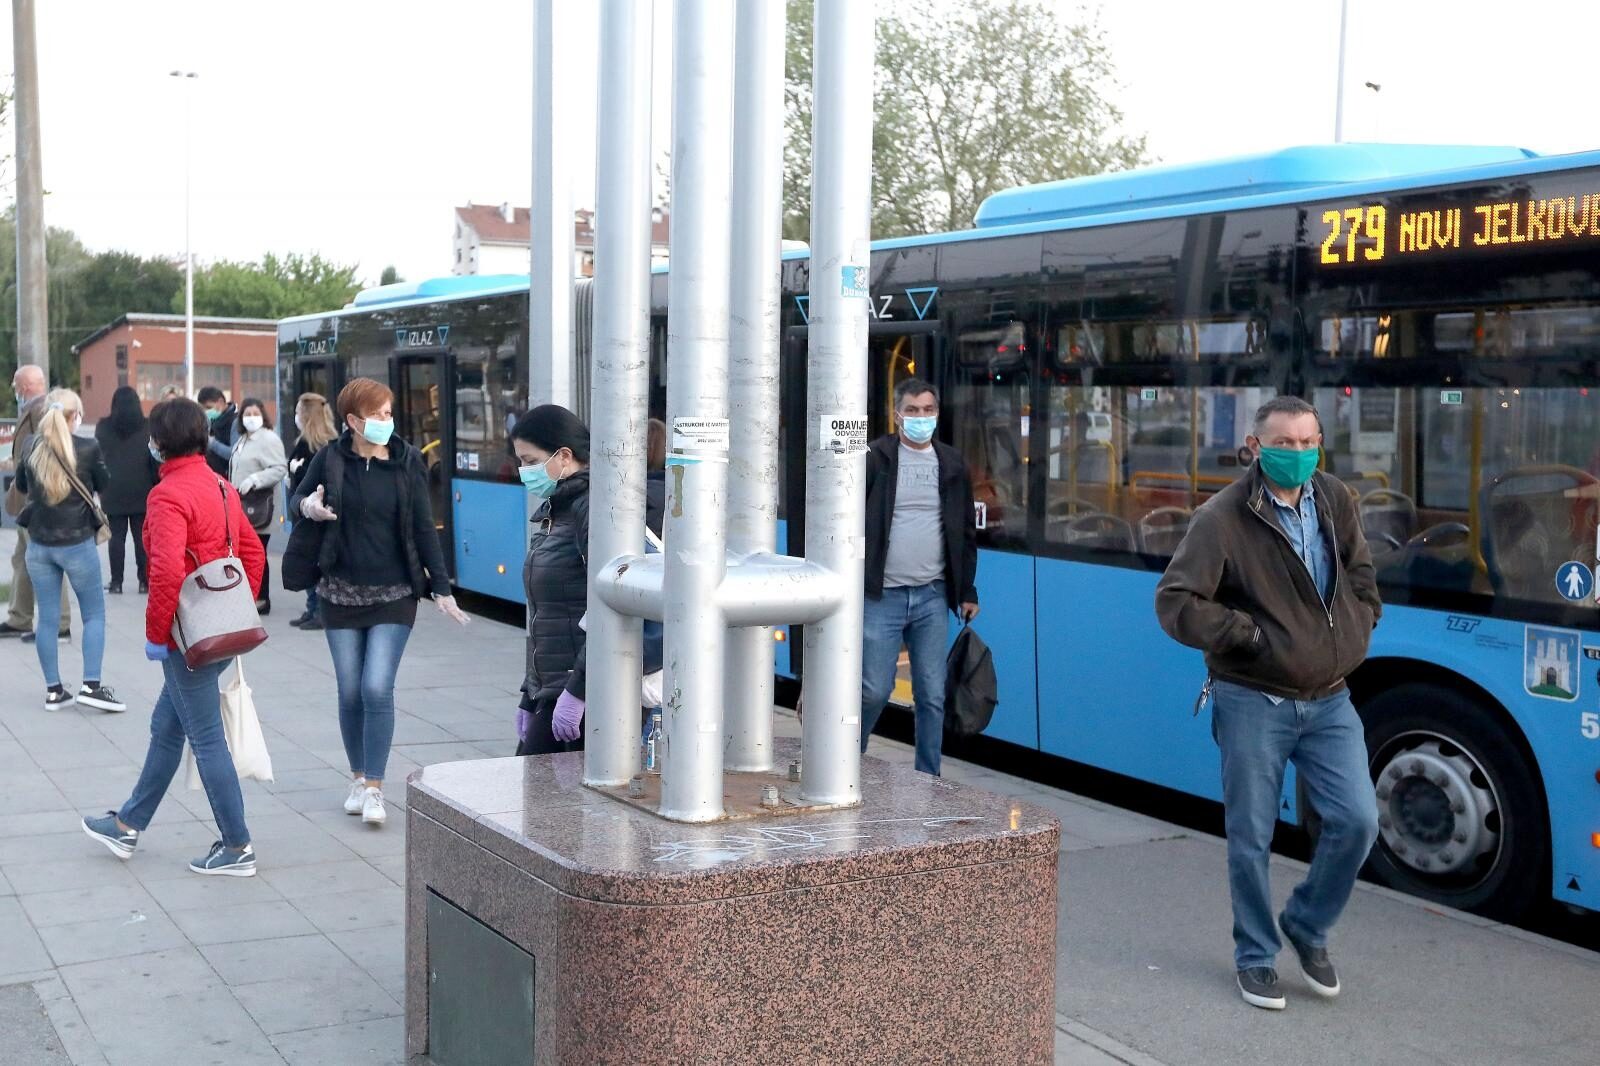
[(56, 698), (9, 630), (314, 624), (263, 607), (1259, 987), (1315, 965), (100, 698), (300, 621), (115, 588), (144, 588)]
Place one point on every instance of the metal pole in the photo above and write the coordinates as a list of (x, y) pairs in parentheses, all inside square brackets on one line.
[(697, 408), (188, 254), (550, 221), (841, 191), (753, 352), (33, 337), (621, 380), (1338, 100)]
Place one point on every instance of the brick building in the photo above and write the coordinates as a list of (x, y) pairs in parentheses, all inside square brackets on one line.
[(238, 355)]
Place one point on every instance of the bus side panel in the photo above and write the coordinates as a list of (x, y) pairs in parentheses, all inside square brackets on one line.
[(781, 663), (1494, 653), (1114, 690), (491, 537), (1005, 622)]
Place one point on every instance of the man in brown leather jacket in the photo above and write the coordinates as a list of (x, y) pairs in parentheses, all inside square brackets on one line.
[(1274, 582), (29, 385)]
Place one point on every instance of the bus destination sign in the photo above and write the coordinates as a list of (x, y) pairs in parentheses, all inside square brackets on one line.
[(1376, 234)]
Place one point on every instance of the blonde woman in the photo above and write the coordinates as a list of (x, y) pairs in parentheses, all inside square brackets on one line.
[(56, 474), (314, 421)]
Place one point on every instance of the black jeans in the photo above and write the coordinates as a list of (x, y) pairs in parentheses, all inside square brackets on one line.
[(121, 525), (266, 571), (541, 740)]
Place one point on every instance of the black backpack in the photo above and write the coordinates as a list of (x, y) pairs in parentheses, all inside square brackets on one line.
[(970, 688)]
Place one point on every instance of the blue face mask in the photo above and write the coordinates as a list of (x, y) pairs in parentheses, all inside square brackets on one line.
[(155, 453), (537, 480), (376, 431), (919, 430)]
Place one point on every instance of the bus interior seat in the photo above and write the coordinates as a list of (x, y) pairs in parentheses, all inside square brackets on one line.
[(1096, 529), (1162, 529), (1440, 557), (1530, 528), (1388, 518)]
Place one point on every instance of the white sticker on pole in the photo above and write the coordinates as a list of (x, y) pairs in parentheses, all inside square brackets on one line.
[(699, 435), (842, 435)]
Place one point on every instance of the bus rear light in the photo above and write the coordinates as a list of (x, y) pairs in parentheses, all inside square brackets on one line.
[(500, 568), (779, 635)]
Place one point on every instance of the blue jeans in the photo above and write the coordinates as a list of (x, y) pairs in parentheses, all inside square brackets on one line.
[(365, 662), (189, 706), (919, 619), (1325, 740), (81, 564), (312, 601)]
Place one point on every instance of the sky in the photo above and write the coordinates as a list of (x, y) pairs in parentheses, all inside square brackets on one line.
[(353, 127)]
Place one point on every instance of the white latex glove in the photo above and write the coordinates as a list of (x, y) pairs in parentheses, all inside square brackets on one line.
[(313, 508), (447, 607), (296, 464), (248, 485)]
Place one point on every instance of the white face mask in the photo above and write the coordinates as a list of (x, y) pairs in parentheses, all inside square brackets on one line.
[(299, 423), (252, 423)]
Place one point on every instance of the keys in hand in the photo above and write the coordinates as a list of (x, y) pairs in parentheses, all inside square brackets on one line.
[(315, 509)]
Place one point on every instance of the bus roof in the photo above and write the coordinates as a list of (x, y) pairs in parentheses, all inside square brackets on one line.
[(1291, 175)]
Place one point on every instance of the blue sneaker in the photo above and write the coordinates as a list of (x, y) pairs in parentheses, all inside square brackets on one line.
[(220, 860), (106, 831)]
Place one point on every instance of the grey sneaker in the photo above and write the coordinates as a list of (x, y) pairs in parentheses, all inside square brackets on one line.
[(223, 862), (105, 829), (1315, 965), (1259, 987)]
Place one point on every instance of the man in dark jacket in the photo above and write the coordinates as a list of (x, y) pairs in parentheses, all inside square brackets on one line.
[(222, 418), (1274, 582), (922, 563), (29, 386)]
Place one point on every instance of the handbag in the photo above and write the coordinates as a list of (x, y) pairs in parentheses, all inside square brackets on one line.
[(242, 730), (971, 689), (257, 506), (216, 617), (102, 529)]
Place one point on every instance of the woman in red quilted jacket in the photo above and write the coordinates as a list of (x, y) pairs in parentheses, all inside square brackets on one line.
[(191, 517)]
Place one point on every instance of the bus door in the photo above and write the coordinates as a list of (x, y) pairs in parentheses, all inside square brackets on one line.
[(423, 416), (319, 374)]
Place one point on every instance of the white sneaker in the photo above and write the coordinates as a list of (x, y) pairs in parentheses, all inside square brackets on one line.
[(372, 811), (352, 802)]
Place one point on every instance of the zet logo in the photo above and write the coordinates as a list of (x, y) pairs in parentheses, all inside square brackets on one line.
[(1460, 623)]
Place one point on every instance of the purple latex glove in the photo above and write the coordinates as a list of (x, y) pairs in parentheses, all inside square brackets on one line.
[(524, 720), (566, 721)]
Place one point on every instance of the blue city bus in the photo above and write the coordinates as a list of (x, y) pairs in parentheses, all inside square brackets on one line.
[(1100, 346)]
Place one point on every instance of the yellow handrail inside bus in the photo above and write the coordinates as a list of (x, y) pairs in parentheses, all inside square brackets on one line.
[(1194, 480), (1475, 484)]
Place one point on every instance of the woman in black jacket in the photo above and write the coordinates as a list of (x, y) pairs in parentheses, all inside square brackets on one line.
[(314, 424), (56, 475), (553, 448), (374, 551), (124, 441)]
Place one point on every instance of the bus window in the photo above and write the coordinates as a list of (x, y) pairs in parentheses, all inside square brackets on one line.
[(1125, 467), (987, 409)]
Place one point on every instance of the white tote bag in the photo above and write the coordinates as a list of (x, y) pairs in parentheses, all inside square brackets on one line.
[(242, 729)]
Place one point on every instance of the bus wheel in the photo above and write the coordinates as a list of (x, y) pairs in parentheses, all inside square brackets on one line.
[(1460, 819)]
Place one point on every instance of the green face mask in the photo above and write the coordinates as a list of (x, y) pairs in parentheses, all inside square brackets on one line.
[(1288, 467)]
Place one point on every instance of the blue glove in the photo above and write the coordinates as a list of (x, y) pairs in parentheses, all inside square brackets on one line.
[(566, 722), (155, 652)]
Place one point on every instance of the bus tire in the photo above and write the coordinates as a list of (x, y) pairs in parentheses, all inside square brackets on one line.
[(1461, 816)]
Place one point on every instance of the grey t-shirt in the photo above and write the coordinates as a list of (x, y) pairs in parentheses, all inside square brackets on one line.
[(916, 535)]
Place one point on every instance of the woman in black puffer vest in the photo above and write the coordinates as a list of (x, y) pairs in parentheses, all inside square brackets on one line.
[(553, 447)]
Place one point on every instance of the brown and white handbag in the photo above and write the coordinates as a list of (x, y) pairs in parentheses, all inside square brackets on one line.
[(216, 617)]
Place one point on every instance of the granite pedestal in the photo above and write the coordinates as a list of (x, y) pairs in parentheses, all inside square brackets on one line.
[(919, 927)]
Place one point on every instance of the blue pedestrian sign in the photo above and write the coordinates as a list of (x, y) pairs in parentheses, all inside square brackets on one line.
[(1575, 581)]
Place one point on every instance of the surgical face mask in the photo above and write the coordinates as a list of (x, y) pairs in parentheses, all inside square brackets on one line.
[(919, 430), (537, 480), (1289, 467), (212, 414), (377, 431), (155, 453), (252, 423), (299, 423)]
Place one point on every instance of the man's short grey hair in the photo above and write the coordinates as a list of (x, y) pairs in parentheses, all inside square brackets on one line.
[(1293, 406), (913, 387)]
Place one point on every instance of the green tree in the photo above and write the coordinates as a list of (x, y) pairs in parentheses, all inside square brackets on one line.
[(390, 276), (273, 288), (967, 101)]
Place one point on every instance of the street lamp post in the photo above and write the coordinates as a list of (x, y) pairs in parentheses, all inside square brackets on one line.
[(188, 77)]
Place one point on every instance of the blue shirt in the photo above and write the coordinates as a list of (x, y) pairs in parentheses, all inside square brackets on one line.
[(1304, 528)]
